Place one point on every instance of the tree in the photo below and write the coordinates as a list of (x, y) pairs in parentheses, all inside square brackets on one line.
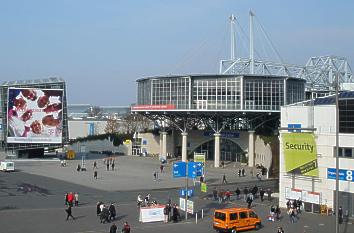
[(135, 123), (112, 126)]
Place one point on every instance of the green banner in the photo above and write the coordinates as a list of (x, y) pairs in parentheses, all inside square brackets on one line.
[(300, 153), (203, 187)]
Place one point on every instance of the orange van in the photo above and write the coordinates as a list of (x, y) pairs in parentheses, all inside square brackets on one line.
[(235, 220)]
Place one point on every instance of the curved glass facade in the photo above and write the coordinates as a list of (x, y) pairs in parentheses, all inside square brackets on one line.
[(221, 92)]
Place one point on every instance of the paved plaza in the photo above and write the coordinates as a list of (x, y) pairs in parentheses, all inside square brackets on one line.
[(32, 198), (130, 173)]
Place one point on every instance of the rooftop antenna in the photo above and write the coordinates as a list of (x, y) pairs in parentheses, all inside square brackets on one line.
[(251, 43)]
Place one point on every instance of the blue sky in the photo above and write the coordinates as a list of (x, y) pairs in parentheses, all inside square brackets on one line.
[(100, 47)]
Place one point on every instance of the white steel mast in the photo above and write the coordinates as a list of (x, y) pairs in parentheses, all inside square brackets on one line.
[(233, 37), (251, 44)]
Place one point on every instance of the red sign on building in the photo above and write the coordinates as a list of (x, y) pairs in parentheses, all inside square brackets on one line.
[(154, 107)]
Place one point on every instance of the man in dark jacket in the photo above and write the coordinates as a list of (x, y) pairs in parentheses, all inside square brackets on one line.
[(255, 191), (245, 193), (113, 228), (69, 213), (104, 216), (165, 213), (261, 194), (340, 215), (238, 192), (112, 212), (175, 214)]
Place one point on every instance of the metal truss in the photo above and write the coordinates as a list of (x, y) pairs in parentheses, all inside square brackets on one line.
[(319, 72), (217, 122)]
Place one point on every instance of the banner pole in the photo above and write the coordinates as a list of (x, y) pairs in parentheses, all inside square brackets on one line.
[(185, 203)]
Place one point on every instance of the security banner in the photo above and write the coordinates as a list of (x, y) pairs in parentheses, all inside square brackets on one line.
[(300, 154)]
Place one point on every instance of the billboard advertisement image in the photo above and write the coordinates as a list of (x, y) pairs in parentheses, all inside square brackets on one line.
[(300, 154), (34, 115)]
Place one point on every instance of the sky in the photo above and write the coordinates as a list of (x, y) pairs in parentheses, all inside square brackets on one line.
[(101, 47)]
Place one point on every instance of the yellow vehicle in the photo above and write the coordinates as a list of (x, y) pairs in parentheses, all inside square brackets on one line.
[(235, 220)]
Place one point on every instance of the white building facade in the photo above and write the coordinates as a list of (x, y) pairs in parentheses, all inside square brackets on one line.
[(319, 117)]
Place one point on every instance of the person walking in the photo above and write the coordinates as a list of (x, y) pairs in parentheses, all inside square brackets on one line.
[(237, 192), (243, 172), (175, 214), (245, 193), (277, 213), (165, 214), (107, 165), (215, 194), (288, 204), (66, 198), (221, 196), (169, 210), (126, 228), (155, 176), (227, 195), (340, 215), (69, 213), (112, 165), (269, 193), (76, 199), (291, 214), (249, 200), (255, 191), (113, 228), (299, 206), (161, 168), (94, 165), (95, 174), (70, 199), (224, 181), (261, 194), (104, 216), (201, 179), (98, 207), (112, 212)]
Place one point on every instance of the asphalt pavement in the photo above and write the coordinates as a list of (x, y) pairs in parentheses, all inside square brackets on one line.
[(32, 199)]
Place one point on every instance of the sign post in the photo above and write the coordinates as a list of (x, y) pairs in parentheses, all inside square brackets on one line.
[(185, 207), (187, 170)]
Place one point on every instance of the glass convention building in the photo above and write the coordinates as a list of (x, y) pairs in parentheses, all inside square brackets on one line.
[(220, 92), (220, 103)]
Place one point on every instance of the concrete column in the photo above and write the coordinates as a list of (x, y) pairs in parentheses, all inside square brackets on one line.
[(184, 146), (161, 142), (217, 150), (251, 148), (164, 143), (173, 139)]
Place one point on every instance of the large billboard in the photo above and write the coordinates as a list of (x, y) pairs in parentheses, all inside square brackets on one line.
[(300, 153), (34, 115)]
